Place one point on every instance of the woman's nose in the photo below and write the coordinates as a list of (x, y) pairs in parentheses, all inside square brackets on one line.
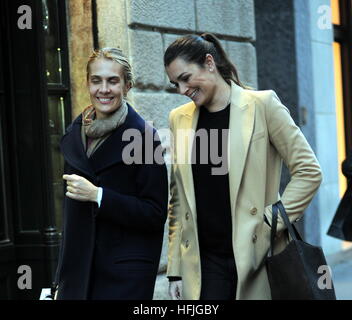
[(182, 89), (104, 87)]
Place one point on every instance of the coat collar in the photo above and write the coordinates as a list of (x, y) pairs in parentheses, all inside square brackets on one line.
[(241, 127), (109, 153)]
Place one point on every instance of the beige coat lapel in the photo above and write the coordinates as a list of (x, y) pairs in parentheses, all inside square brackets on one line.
[(241, 128), (188, 126)]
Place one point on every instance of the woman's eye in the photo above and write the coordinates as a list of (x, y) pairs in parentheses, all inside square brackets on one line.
[(114, 81), (185, 79)]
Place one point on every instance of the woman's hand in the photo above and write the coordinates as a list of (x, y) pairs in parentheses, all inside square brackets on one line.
[(175, 290), (79, 188)]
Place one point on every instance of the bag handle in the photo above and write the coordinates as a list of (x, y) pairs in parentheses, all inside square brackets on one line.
[(279, 207)]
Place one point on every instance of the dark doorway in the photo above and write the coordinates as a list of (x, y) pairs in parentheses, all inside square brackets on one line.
[(34, 109)]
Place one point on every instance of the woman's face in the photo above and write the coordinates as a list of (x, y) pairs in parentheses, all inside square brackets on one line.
[(106, 86), (192, 80)]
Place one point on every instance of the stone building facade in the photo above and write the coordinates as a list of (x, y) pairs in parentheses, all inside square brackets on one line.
[(288, 46)]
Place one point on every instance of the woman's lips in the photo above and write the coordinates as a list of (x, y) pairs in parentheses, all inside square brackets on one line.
[(194, 94), (104, 100)]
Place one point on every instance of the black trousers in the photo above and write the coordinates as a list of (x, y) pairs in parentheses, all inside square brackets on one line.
[(219, 277)]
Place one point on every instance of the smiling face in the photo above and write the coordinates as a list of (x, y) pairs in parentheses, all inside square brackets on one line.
[(193, 81), (106, 86)]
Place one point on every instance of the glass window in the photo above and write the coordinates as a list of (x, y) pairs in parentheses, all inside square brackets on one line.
[(2, 190), (341, 139), (342, 48), (56, 106), (54, 21), (2, 185), (52, 41), (335, 11)]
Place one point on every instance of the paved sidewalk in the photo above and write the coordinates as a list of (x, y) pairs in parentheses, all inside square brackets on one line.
[(341, 265)]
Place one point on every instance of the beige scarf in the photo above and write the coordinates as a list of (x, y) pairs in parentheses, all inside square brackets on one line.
[(100, 129)]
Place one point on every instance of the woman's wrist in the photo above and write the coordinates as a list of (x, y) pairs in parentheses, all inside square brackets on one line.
[(94, 194)]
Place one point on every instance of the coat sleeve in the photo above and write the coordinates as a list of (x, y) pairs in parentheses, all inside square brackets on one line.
[(147, 210), (298, 156), (175, 223)]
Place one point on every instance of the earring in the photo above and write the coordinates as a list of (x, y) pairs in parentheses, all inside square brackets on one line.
[(211, 69)]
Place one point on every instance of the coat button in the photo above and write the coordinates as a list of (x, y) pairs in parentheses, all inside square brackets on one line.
[(254, 238), (254, 211), (187, 215), (187, 244)]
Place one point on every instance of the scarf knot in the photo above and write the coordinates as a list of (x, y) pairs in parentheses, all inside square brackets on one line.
[(97, 128)]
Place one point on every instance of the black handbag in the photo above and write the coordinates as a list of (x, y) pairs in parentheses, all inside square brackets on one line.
[(296, 272)]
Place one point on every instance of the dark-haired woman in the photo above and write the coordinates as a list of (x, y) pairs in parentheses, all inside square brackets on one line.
[(229, 144)]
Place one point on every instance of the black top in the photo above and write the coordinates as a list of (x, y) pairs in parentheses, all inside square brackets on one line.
[(211, 186)]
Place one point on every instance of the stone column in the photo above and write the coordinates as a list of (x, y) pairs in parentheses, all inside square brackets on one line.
[(80, 42), (295, 59), (322, 37)]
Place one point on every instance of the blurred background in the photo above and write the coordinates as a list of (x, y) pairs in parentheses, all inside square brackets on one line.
[(301, 49)]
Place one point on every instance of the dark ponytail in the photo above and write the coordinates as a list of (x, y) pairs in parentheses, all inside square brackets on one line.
[(193, 49)]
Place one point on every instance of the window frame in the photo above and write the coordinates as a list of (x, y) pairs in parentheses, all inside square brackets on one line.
[(343, 35), (58, 90)]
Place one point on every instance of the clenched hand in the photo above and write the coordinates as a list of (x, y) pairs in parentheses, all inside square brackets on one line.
[(79, 188)]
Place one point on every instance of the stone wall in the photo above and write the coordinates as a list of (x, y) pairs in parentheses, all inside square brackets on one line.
[(326, 124), (295, 58), (80, 41), (143, 29)]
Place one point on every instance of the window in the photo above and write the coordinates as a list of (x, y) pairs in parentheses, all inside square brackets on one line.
[(34, 110), (342, 50), (57, 78)]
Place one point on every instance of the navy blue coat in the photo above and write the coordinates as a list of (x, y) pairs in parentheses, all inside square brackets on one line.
[(112, 252)]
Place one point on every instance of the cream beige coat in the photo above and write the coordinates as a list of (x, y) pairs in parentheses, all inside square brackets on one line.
[(262, 135)]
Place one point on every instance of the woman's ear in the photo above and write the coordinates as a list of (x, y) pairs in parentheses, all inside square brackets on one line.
[(127, 88), (209, 62)]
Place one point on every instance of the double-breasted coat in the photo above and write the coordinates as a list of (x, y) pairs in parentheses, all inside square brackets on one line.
[(113, 251), (262, 134)]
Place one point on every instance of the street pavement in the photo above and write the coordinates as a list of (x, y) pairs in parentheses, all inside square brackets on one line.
[(341, 265)]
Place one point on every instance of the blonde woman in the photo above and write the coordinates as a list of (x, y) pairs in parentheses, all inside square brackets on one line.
[(114, 210)]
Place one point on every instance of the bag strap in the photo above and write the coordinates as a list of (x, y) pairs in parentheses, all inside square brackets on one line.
[(279, 207), (273, 227)]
